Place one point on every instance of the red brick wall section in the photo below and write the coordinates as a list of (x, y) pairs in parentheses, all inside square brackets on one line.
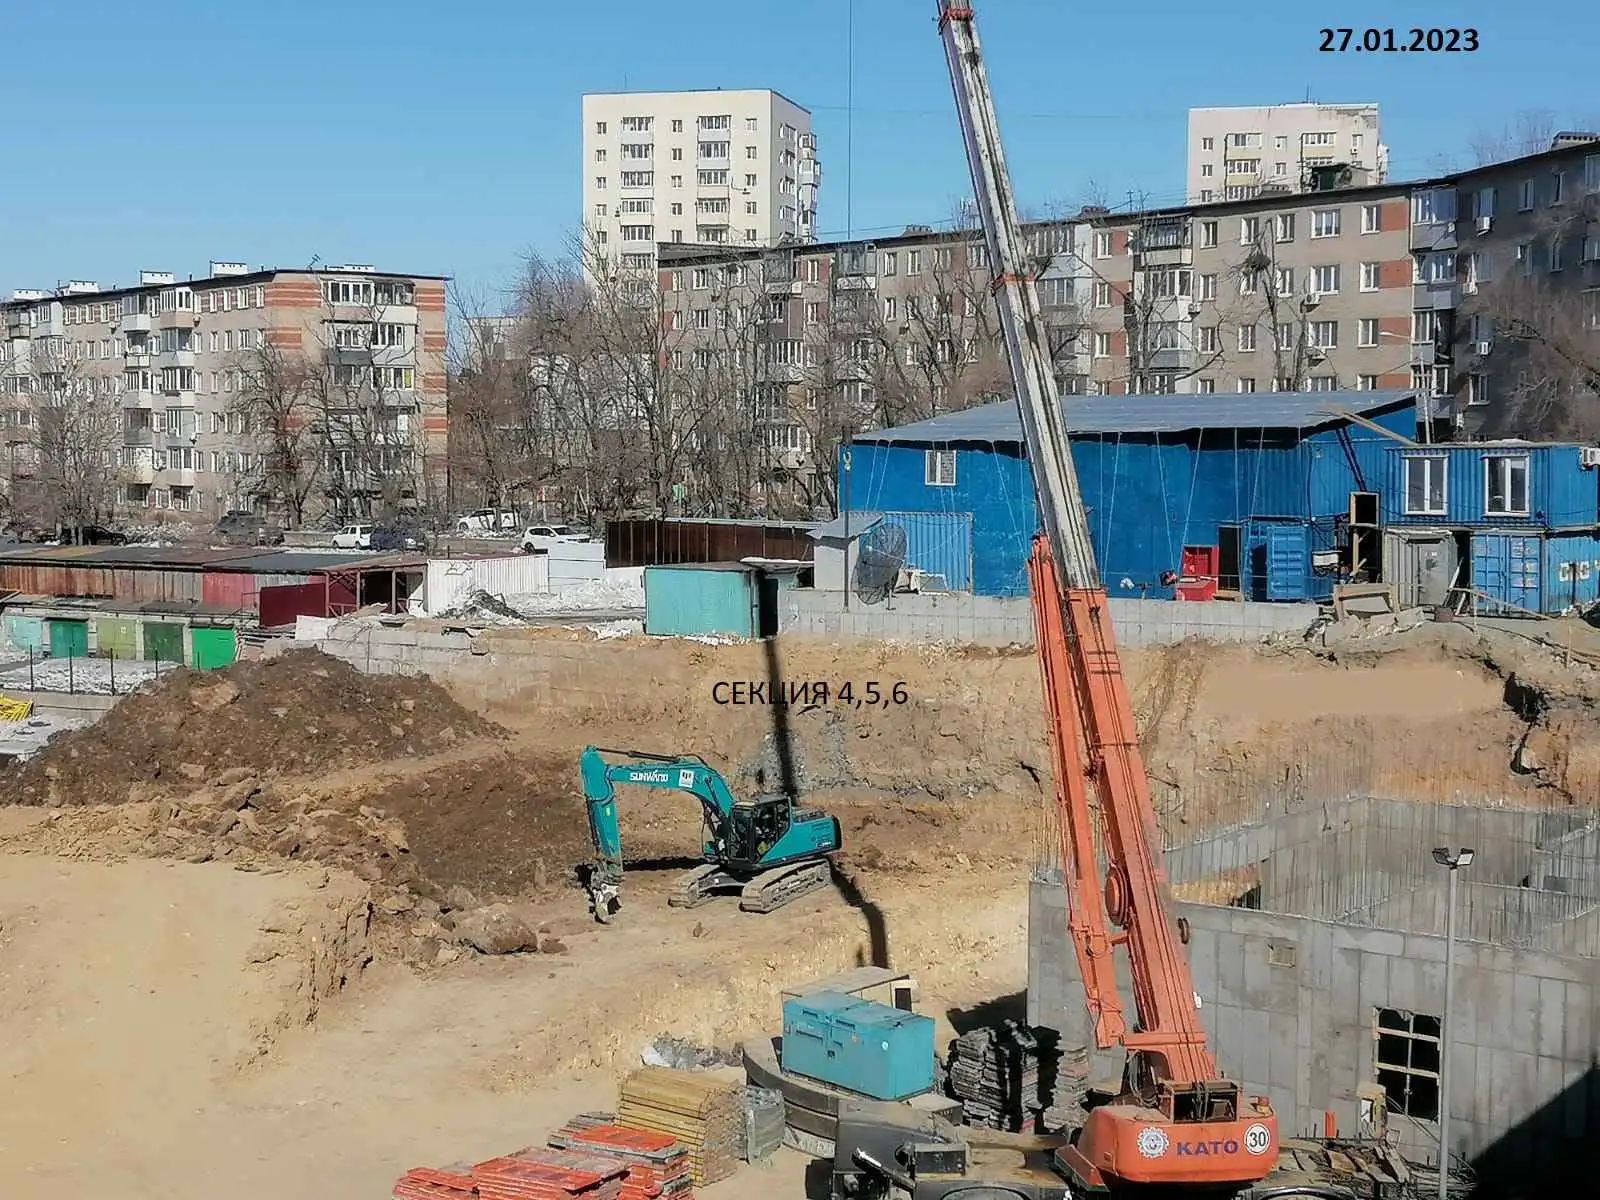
[(1395, 379), (435, 424), (1394, 215), (1398, 329), (1119, 343), (432, 381), (1396, 273), (433, 341), (1119, 242), (430, 297), (286, 339), (297, 292)]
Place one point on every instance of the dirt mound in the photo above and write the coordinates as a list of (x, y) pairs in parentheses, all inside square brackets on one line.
[(300, 713)]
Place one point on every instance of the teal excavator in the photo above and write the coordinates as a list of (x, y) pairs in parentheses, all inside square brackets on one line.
[(769, 850)]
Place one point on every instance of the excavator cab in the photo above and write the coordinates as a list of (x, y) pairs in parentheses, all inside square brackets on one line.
[(753, 828)]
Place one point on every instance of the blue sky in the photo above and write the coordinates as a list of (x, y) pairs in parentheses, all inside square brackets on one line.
[(443, 138)]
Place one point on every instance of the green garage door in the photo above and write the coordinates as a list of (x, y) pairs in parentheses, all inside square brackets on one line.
[(69, 639), (213, 648), (163, 641)]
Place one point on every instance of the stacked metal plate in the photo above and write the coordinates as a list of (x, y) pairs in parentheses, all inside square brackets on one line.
[(1004, 1076), (763, 1123)]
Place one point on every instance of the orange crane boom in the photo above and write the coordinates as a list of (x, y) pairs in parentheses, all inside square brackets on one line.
[(1176, 1121)]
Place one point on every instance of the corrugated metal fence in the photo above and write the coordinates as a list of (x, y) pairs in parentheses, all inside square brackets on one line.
[(665, 542), (938, 544)]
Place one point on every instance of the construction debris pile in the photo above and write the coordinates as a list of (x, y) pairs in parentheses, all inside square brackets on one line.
[(299, 713), (706, 1115), (1007, 1077)]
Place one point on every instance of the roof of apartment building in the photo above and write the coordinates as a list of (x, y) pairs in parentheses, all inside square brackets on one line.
[(232, 279), (672, 254), (1000, 423)]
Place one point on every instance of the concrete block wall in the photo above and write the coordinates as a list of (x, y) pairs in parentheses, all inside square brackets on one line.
[(1289, 1004), (1006, 620)]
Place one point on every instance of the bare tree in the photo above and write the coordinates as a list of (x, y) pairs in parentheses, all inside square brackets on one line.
[(493, 440), (1529, 132), (64, 438), (1539, 307), (274, 404)]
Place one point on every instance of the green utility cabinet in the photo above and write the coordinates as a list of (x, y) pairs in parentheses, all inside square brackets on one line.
[(69, 639)]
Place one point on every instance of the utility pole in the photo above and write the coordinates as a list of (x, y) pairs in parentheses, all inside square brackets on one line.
[(845, 509), (1453, 863)]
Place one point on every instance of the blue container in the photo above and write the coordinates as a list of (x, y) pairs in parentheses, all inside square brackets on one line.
[(862, 1047)]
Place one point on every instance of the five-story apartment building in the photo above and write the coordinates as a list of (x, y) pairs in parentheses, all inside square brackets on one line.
[(304, 390)]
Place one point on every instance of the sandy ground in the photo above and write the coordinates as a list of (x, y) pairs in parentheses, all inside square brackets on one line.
[(182, 1029)]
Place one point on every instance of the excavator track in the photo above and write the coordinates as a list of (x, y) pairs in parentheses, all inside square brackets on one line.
[(701, 885), (773, 889)]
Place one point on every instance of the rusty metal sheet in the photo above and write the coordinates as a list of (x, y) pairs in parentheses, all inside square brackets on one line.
[(666, 542)]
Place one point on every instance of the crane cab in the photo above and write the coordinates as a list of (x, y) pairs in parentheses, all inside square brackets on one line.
[(768, 831)]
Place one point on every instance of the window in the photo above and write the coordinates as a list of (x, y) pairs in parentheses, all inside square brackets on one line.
[(1207, 342), (1208, 234), (939, 468), (600, 128), (1505, 485), (1055, 292), (1325, 335), (347, 291), (1435, 204), (1102, 345), (1372, 218), (1317, 139), (1283, 281), (1591, 172), (1244, 166), (713, 178), (1247, 283), (718, 122), (1208, 143), (1247, 384), (1425, 485), (1286, 227), (1206, 170), (752, 152), (638, 151), (638, 233), (1558, 187), (1166, 283), (1371, 274), (1367, 332), (1102, 294), (1323, 383), (1525, 196), (1247, 337), (1325, 223), (1102, 244), (599, 183), (913, 262), (1483, 203), (1205, 387), (1284, 336), (713, 149), (1555, 249), (1325, 280), (1249, 230), (1244, 140), (599, 156), (1208, 287), (1366, 383), (1406, 1061), (1478, 390)]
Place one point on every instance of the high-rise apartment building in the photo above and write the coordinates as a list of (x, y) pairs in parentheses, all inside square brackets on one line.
[(1239, 153), (735, 168), (302, 392)]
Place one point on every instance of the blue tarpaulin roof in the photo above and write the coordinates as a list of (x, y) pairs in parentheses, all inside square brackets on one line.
[(1000, 423)]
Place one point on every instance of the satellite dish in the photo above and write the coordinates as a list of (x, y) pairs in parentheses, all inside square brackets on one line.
[(879, 557)]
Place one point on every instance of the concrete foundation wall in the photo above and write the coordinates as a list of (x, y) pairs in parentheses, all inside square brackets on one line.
[(1004, 621), (1290, 1003)]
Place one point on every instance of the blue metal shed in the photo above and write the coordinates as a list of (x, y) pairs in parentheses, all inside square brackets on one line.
[(1267, 477)]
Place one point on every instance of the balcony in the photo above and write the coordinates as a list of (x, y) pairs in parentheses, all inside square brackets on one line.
[(141, 400), (1182, 359), (178, 477), (139, 437), (139, 473), (774, 372), (137, 358), (177, 318), (134, 323), (1433, 235), (1441, 295), (1423, 353), (174, 358), (48, 326)]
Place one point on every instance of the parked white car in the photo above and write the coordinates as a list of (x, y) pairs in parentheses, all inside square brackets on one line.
[(539, 538), (486, 522), (353, 537)]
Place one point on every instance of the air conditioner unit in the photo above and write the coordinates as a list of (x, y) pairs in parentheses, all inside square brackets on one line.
[(1589, 456), (1485, 224), (1482, 347), (1311, 301), (1316, 353)]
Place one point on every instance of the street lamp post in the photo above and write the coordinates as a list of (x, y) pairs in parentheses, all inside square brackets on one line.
[(1452, 861)]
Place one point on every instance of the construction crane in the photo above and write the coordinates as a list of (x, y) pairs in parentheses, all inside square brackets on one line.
[(1177, 1119), (769, 851)]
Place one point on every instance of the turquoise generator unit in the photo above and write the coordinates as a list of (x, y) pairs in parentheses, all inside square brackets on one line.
[(863, 1047)]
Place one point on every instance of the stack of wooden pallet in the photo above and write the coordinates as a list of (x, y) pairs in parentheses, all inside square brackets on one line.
[(657, 1163), (706, 1115)]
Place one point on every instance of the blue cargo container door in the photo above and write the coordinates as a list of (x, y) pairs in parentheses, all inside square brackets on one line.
[(1505, 570), (1278, 559)]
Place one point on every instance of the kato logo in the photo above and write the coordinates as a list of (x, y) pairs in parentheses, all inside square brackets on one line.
[(1258, 1139), (1152, 1142)]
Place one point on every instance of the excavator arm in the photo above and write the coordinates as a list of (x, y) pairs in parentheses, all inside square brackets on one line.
[(682, 773), (1177, 1121)]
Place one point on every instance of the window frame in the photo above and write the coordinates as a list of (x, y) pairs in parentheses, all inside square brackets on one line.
[(933, 462), (1427, 508), (1505, 463)]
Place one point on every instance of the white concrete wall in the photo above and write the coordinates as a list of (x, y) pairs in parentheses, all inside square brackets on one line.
[(1003, 621), (450, 580)]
